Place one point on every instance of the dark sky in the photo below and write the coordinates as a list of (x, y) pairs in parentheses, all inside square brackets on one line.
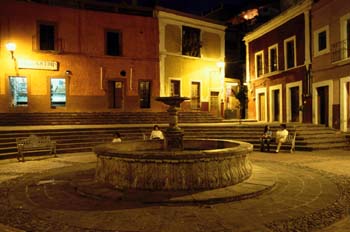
[(199, 7)]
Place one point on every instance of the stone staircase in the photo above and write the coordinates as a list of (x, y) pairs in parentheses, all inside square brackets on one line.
[(88, 118), (84, 138), (309, 137)]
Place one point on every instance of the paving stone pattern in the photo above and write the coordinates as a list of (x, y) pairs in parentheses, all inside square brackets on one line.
[(311, 194)]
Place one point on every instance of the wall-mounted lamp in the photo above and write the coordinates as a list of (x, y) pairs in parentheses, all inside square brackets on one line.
[(68, 72), (220, 64), (11, 47)]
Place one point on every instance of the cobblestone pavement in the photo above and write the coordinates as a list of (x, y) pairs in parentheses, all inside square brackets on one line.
[(311, 194)]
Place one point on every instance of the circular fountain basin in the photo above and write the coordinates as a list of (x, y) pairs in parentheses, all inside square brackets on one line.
[(203, 164)]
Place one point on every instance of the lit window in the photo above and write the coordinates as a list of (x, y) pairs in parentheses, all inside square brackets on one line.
[(273, 58), (191, 44), (321, 41), (19, 91), (259, 63), (58, 92), (289, 53), (47, 36), (113, 43)]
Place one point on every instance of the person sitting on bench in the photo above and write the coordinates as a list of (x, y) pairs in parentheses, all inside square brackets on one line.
[(265, 138), (281, 136)]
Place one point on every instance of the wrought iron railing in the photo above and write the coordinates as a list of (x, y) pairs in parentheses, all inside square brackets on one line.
[(340, 50), (58, 45)]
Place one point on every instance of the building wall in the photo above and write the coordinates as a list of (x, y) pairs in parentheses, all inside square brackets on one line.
[(187, 69), (329, 68), (81, 36), (278, 36), (291, 23)]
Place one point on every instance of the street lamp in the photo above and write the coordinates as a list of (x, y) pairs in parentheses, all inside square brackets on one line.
[(11, 47)]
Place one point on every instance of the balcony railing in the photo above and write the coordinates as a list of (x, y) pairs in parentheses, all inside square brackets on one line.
[(58, 45), (340, 50)]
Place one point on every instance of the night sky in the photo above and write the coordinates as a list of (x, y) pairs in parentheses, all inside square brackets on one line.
[(199, 7)]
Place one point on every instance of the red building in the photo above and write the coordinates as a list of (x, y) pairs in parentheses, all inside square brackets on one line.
[(278, 63), (75, 59), (331, 63)]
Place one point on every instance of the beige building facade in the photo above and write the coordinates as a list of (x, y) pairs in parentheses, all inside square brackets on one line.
[(192, 54)]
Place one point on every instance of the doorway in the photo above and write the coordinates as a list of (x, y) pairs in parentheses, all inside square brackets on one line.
[(116, 94), (195, 96), (348, 105), (261, 112), (294, 104), (214, 103), (175, 88), (145, 94), (323, 102), (276, 105)]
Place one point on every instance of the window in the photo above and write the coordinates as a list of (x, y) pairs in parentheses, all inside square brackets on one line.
[(321, 41), (19, 91), (273, 58), (174, 88), (47, 36), (145, 94), (191, 43), (259, 63), (289, 53), (345, 37), (58, 92), (113, 42)]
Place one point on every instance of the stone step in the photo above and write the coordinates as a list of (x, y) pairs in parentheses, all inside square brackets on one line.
[(85, 118), (84, 139)]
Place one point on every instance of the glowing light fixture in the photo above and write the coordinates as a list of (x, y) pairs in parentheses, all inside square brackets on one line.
[(220, 64), (11, 47)]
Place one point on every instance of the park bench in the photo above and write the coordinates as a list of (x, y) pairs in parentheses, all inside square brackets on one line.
[(35, 143)]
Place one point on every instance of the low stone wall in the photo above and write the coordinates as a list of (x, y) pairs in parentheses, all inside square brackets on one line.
[(204, 164)]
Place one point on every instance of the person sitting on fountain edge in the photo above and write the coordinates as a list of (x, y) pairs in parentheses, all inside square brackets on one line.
[(116, 138), (156, 133)]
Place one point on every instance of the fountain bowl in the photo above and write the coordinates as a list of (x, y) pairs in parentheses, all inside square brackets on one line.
[(203, 164)]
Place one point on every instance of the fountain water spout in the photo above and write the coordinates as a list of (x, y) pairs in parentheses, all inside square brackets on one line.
[(173, 134)]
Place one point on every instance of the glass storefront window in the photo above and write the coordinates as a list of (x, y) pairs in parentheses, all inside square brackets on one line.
[(58, 92), (19, 91)]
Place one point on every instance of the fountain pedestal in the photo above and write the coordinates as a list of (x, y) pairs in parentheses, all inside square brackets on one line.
[(173, 134)]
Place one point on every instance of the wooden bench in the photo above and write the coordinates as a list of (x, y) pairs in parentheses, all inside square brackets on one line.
[(35, 143)]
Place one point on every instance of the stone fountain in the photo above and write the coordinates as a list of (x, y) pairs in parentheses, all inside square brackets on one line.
[(175, 164)]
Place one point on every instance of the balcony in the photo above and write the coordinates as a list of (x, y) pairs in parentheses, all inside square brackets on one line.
[(340, 50), (57, 45)]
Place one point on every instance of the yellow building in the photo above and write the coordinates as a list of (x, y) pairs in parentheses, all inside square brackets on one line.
[(192, 53)]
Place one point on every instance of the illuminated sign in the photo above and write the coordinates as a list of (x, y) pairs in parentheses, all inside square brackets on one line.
[(38, 64)]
